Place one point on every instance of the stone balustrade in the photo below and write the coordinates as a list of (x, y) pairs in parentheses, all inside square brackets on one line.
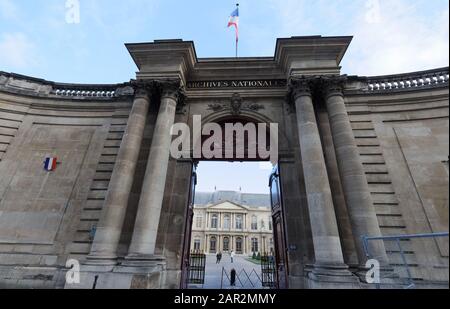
[(29, 85), (407, 81), (84, 93)]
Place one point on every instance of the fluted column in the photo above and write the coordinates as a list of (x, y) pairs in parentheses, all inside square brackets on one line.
[(107, 237), (149, 210), (356, 189), (327, 245)]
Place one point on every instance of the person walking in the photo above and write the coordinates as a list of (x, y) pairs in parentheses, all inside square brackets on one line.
[(232, 256), (218, 258)]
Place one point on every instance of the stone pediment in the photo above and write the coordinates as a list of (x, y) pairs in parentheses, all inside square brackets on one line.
[(227, 205)]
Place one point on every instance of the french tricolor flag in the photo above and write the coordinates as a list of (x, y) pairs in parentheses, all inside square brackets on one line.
[(50, 164), (234, 21)]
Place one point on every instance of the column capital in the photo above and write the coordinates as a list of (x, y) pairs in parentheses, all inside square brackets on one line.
[(174, 90), (143, 88), (333, 86), (170, 88), (301, 86)]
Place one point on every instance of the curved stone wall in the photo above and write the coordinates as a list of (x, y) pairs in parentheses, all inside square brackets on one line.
[(47, 219), (401, 124)]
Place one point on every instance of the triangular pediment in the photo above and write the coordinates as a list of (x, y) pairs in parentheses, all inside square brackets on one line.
[(226, 205)]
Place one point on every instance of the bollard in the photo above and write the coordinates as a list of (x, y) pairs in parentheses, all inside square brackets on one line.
[(233, 277)]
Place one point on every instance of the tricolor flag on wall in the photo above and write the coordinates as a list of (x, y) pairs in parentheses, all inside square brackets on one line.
[(50, 164)]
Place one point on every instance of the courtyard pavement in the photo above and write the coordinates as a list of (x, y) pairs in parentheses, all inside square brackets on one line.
[(217, 275)]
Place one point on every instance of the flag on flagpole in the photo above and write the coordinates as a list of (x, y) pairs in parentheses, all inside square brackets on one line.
[(234, 21), (50, 164)]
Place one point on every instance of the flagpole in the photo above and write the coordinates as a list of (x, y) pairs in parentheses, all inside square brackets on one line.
[(237, 35)]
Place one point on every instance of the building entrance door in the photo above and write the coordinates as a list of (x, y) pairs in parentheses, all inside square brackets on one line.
[(186, 260), (281, 267)]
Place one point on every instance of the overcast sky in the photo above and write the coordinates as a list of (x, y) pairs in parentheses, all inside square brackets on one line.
[(390, 36)]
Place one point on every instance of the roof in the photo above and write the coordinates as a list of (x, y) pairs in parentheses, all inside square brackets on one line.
[(236, 197)]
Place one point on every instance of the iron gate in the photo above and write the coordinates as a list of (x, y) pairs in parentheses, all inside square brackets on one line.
[(197, 265), (268, 279)]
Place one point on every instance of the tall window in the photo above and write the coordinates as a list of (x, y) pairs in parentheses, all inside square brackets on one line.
[(197, 244), (254, 223), (239, 245), (213, 245), (198, 222), (255, 245), (226, 222), (239, 222), (271, 245), (226, 244), (214, 221), (270, 223)]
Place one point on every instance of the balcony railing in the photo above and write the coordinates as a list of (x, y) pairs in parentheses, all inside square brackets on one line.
[(423, 79)]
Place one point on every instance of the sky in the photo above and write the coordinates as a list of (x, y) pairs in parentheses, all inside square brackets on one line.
[(45, 39), (390, 36)]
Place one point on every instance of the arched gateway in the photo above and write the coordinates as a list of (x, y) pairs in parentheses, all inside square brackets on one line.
[(349, 154)]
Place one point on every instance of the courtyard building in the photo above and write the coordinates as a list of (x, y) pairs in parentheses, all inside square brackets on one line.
[(226, 221)]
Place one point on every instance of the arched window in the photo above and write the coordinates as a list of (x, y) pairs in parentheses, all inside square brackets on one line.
[(254, 223), (213, 245), (226, 222), (239, 222), (239, 245), (226, 244), (214, 221)]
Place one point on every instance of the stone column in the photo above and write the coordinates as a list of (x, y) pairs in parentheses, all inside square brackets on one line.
[(107, 236), (327, 245), (143, 242), (354, 182)]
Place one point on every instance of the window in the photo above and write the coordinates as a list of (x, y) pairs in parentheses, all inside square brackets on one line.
[(271, 245), (226, 222), (226, 244), (213, 245), (239, 245), (197, 244), (270, 224), (263, 224), (198, 222), (214, 221), (254, 223), (255, 245), (239, 222)]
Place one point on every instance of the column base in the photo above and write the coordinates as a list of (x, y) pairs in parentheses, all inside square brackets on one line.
[(325, 276), (143, 260), (101, 260)]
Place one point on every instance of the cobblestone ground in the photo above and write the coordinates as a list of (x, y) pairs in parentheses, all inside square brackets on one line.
[(217, 275)]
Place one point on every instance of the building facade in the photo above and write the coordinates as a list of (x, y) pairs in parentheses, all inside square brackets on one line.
[(232, 221), (358, 156)]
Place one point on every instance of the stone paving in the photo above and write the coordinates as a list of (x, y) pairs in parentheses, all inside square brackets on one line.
[(216, 275)]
